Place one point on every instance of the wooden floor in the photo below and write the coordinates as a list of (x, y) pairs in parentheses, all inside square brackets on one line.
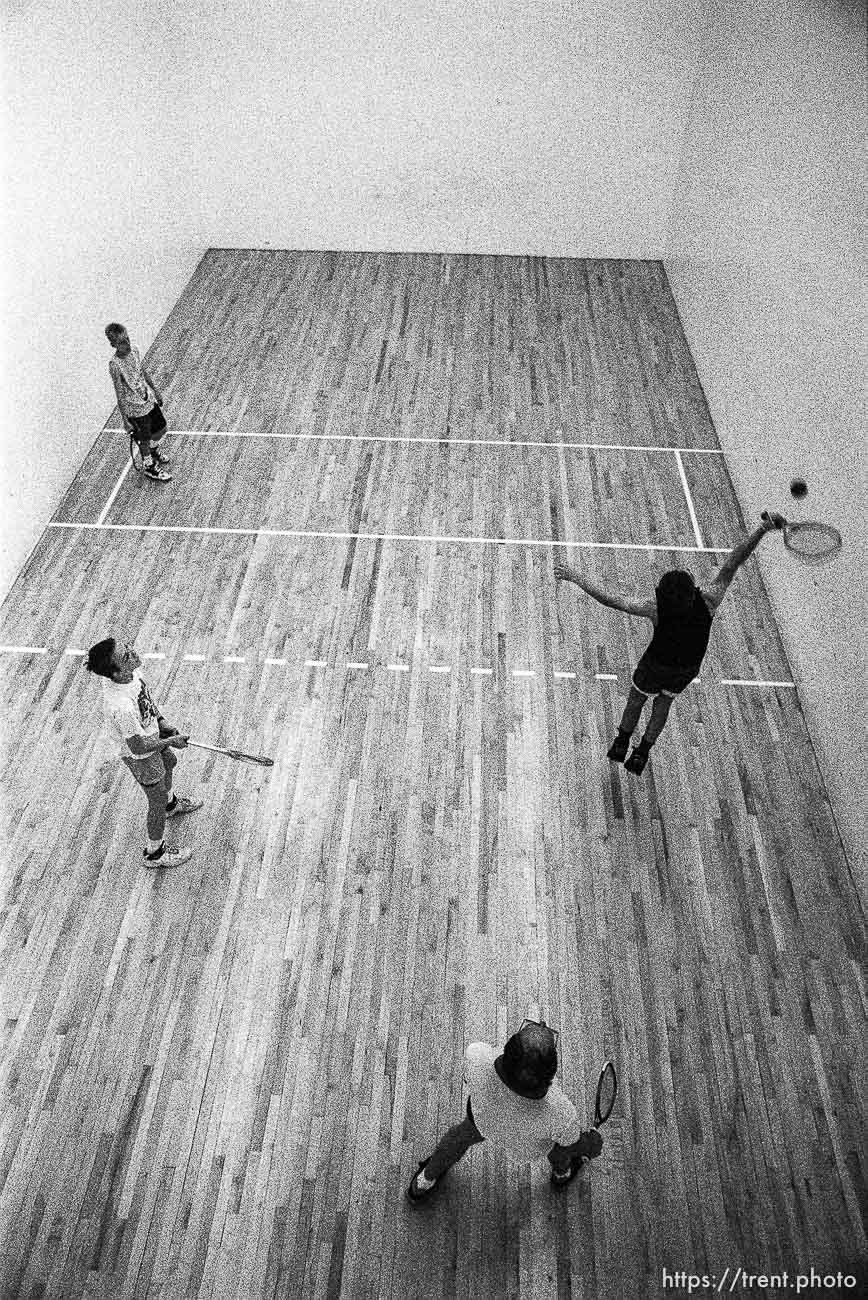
[(217, 1081)]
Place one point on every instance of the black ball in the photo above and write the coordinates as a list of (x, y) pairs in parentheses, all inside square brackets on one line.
[(799, 487)]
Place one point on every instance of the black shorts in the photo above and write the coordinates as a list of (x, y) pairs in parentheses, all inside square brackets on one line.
[(148, 428), (651, 678)]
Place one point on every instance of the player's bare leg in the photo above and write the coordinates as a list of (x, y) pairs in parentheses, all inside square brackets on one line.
[(632, 712), (659, 713)]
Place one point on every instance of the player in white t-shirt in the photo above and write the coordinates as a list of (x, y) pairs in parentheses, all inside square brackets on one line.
[(144, 742), (515, 1104)]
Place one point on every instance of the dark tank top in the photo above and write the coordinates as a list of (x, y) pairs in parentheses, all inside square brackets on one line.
[(680, 642)]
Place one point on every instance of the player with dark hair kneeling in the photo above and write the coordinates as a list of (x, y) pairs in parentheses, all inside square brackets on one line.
[(145, 742), (681, 614), (516, 1105)]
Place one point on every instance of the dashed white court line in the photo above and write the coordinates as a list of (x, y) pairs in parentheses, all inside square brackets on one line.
[(549, 542), (406, 439), (694, 521), (745, 681), (476, 670)]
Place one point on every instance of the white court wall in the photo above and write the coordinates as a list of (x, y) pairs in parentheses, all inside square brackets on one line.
[(766, 263), (136, 137), (90, 235)]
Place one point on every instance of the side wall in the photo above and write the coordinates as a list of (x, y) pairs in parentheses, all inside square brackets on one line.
[(764, 263)]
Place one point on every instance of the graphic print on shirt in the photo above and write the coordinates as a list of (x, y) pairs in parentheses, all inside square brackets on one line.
[(147, 707)]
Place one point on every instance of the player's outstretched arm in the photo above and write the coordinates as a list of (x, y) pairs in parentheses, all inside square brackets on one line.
[(715, 593), (640, 608)]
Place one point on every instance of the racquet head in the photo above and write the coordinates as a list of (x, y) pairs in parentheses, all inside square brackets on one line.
[(812, 542), (250, 758), (136, 455), (607, 1089)]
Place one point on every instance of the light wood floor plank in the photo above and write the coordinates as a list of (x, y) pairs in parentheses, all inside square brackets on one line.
[(218, 1082)]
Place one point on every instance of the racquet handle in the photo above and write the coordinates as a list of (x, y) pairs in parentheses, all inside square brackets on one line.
[(767, 519)]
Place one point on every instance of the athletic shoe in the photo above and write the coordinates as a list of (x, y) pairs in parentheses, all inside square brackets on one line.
[(416, 1193), (617, 751), (160, 458), (576, 1165), (637, 760), (183, 805), (173, 858), (155, 472)]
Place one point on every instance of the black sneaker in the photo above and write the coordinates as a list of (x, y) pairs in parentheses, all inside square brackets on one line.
[(157, 473), (617, 751), (416, 1193)]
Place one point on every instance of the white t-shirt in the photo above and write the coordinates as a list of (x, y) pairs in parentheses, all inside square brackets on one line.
[(130, 711), (527, 1127)]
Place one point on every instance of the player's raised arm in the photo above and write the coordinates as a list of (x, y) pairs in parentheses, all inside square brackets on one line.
[(639, 608), (719, 585)]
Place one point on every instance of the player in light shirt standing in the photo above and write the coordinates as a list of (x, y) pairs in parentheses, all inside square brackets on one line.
[(145, 742)]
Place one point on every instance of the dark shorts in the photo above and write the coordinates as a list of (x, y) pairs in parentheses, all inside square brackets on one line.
[(651, 678), (148, 428), (151, 769)]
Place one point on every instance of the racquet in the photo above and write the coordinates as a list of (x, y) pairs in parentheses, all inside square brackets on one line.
[(607, 1091), (234, 753), (810, 541), (136, 455)]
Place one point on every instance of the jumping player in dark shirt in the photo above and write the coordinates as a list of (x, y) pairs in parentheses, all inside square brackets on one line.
[(681, 613)]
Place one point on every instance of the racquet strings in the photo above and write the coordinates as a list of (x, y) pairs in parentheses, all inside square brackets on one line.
[(811, 541)]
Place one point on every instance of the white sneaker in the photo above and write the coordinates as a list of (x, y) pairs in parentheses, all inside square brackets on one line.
[(168, 858), (183, 805)]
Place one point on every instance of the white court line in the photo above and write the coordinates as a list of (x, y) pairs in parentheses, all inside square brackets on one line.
[(387, 537), (523, 672), (117, 487), (397, 668), (439, 668), (428, 441), (745, 681), (355, 665), (482, 671), (309, 663), (278, 661), (233, 659), (24, 649), (153, 654), (693, 519), (558, 674), (71, 650), (606, 677), (194, 659)]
